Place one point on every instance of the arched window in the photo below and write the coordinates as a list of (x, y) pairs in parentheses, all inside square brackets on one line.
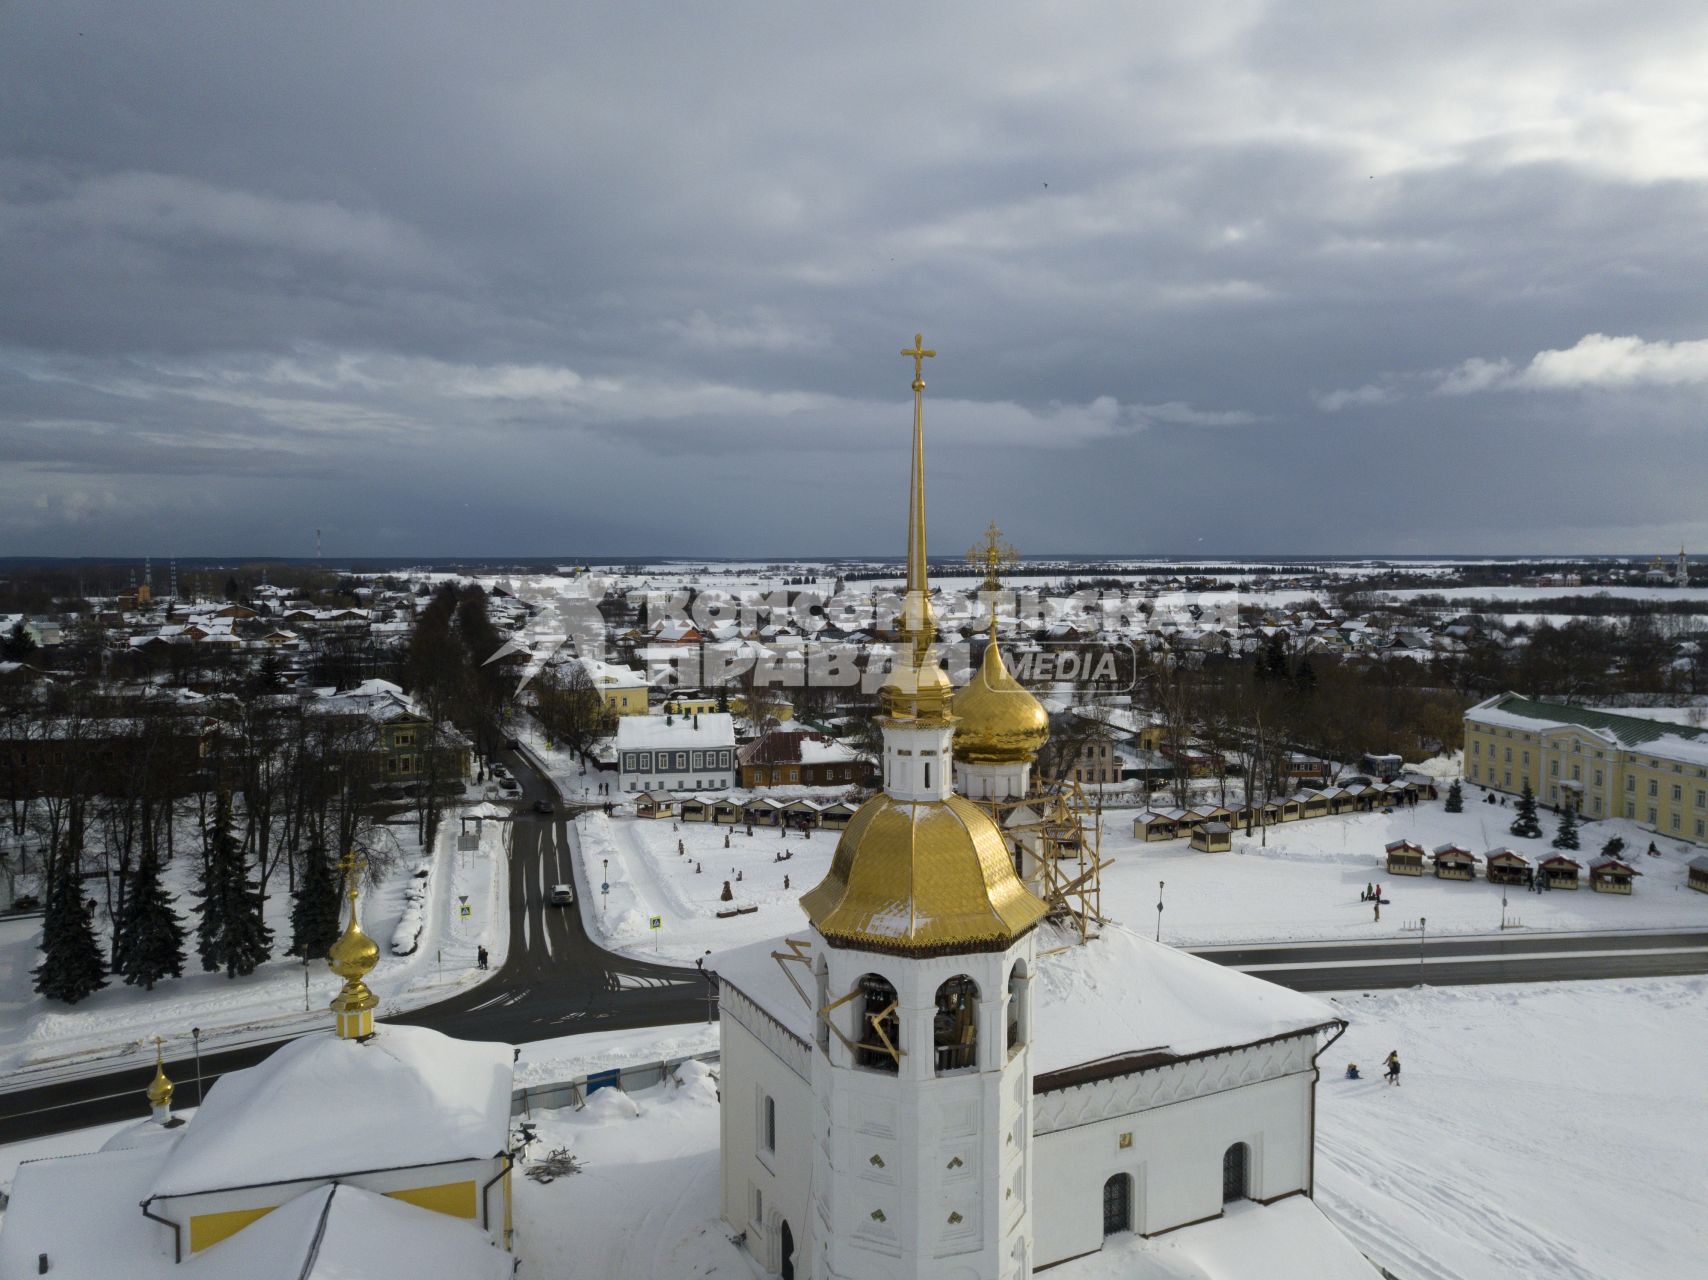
[(1118, 1204), (1017, 1006), (955, 1026), (822, 980), (879, 1042), (1235, 1173)]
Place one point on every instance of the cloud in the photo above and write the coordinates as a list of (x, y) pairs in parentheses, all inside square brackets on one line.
[(1368, 394), (1475, 374), (1596, 361)]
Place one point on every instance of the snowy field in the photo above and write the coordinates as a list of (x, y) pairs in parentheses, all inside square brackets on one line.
[(38, 1036), (1306, 883), (1547, 1131)]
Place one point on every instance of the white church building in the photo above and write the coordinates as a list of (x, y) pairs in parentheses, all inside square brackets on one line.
[(928, 1082)]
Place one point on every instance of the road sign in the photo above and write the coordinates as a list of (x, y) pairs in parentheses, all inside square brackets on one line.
[(655, 922), (462, 897), (465, 911), (605, 888)]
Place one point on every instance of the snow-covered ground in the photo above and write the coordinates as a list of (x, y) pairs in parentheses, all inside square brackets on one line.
[(39, 1037), (1553, 1131), (648, 877), (1306, 882)]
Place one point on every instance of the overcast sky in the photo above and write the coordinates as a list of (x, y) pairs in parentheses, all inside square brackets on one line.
[(560, 278)]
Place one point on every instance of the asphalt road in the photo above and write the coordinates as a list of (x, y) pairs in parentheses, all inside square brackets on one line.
[(556, 981)]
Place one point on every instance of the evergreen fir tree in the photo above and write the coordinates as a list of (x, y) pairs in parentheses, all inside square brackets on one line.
[(1524, 823), (1455, 798), (72, 966), (314, 913), (1567, 835), (1613, 848), (1305, 678), (232, 935), (152, 945)]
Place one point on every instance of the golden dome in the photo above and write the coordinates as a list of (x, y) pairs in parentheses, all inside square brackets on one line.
[(1000, 722), (355, 954), (922, 878), (160, 1088)]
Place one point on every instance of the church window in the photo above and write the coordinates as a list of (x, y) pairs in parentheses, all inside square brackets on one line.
[(1017, 1005), (955, 1025), (1118, 1204), (770, 1135), (879, 1046), (1235, 1173), (928, 774)]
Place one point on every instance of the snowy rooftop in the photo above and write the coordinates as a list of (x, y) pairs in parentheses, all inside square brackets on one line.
[(1121, 994), (1287, 1240), (320, 1106), (709, 729)]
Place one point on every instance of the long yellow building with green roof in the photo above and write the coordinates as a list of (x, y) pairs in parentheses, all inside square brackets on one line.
[(1602, 763)]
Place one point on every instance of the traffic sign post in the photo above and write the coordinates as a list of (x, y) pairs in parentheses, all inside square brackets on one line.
[(655, 923)]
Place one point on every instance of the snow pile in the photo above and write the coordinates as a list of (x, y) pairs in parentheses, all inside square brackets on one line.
[(407, 936), (1288, 1240)]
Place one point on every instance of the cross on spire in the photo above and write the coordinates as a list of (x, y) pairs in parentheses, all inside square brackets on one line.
[(919, 354), (993, 555)]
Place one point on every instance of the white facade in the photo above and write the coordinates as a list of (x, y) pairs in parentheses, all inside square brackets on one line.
[(1008, 781), (676, 753)]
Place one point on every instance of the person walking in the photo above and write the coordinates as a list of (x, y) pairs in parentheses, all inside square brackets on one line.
[(1378, 905), (1393, 1061), (1369, 891), (480, 957)]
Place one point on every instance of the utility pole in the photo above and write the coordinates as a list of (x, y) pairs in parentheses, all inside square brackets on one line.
[(1422, 927), (1159, 885), (196, 1035)]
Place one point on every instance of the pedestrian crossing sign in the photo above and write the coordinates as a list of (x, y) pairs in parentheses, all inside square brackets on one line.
[(655, 922), (465, 911)]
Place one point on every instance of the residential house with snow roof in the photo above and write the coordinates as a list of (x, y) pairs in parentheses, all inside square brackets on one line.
[(676, 753)]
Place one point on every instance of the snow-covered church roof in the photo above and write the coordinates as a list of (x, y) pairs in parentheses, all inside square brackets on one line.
[(317, 1102)]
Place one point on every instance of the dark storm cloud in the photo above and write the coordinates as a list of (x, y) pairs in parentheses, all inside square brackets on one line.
[(603, 279)]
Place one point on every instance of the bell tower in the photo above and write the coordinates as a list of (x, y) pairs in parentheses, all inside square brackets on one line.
[(923, 942)]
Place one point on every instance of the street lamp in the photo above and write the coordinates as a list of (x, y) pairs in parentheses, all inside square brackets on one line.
[(196, 1035), (1422, 927), (1159, 885)]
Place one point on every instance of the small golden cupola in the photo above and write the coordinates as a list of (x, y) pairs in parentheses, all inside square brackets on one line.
[(160, 1088), (997, 720), (920, 870), (353, 958)]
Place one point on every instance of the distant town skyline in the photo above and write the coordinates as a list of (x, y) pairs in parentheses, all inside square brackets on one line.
[(1268, 280)]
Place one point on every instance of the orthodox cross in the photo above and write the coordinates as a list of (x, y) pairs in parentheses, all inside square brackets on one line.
[(919, 354), (993, 555), (347, 865)]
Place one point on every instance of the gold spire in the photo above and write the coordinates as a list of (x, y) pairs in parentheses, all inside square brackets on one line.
[(917, 689), (352, 958), (998, 721), (160, 1088)]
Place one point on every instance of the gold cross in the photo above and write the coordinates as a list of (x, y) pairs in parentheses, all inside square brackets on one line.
[(920, 355), (347, 864), (993, 555)]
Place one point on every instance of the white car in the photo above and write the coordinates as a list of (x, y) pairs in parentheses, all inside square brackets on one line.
[(562, 896)]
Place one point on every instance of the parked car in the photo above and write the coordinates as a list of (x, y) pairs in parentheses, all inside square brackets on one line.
[(510, 789), (562, 896), (499, 771), (515, 744), (543, 806)]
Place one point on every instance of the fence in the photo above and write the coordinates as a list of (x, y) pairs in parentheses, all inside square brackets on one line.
[(574, 1093)]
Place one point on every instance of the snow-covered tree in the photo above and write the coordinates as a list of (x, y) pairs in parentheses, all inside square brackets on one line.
[(1455, 798), (314, 912), (72, 965), (1524, 821), (1567, 835), (149, 942)]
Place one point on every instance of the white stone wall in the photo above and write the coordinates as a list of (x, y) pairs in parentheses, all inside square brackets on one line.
[(751, 1070), (1181, 1120)]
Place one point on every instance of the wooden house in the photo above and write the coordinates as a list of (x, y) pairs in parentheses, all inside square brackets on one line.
[(1559, 872), (726, 811), (1405, 858), (696, 809), (1609, 875), (1292, 808), (836, 816), (1212, 837), (1312, 804), (1697, 877), (1157, 826), (764, 812), (655, 804), (1454, 863), (1506, 867), (801, 814)]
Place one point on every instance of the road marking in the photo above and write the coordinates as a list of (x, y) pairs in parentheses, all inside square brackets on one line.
[(1498, 957)]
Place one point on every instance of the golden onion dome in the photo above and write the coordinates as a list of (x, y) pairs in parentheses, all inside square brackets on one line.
[(922, 877), (160, 1089), (355, 954), (999, 721)]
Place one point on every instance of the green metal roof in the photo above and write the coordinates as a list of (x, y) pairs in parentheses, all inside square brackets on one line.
[(1630, 731)]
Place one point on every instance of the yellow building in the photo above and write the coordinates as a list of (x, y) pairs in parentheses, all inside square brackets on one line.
[(1599, 762), (622, 690)]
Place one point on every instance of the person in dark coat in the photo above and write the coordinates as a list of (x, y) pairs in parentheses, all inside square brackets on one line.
[(1393, 1061)]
